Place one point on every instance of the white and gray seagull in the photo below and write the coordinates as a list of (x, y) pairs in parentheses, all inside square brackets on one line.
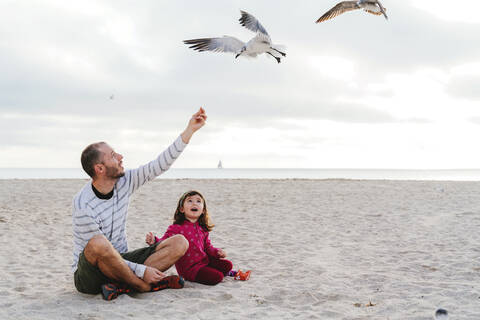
[(261, 43), (370, 6)]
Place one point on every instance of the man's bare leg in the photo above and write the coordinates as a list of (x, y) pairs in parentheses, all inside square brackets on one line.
[(100, 252), (168, 252)]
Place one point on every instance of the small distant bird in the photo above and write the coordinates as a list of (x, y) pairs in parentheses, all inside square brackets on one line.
[(261, 43), (370, 6), (441, 314), (111, 97)]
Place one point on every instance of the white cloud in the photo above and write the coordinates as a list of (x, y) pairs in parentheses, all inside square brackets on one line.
[(52, 118), (418, 94), (344, 96), (333, 67), (409, 146), (454, 11), (471, 68)]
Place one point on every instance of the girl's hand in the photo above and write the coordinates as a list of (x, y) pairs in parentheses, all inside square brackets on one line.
[(150, 238), (221, 253)]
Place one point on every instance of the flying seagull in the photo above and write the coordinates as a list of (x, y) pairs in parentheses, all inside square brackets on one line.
[(370, 6), (441, 314), (261, 43)]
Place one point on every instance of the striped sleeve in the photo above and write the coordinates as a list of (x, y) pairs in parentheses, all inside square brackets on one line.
[(153, 169), (137, 268)]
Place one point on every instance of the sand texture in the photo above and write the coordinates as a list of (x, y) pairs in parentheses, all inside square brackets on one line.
[(319, 249)]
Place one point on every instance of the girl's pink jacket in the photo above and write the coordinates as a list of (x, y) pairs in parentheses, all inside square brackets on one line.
[(199, 249)]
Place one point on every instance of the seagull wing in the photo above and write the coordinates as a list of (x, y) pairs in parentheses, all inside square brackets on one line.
[(262, 38), (251, 23), (382, 9), (224, 44), (340, 8), (377, 13)]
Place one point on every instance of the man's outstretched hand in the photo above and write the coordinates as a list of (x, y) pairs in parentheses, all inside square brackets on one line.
[(196, 122)]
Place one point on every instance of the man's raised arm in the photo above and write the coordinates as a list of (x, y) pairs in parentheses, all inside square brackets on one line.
[(138, 177)]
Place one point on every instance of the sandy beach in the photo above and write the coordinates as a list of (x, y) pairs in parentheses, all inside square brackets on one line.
[(318, 249)]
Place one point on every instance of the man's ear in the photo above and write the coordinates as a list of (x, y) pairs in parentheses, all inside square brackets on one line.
[(99, 169)]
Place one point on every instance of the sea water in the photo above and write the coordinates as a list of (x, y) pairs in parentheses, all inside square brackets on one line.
[(269, 173)]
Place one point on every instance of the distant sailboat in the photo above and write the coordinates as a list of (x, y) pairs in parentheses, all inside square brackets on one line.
[(219, 166)]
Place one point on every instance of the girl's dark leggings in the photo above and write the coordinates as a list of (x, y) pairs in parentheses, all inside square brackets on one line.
[(214, 272)]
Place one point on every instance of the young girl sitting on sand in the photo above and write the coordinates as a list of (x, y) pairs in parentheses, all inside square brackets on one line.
[(202, 262)]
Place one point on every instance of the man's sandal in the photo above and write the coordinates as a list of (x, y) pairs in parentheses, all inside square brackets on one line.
[(172, 282), (111, 291)]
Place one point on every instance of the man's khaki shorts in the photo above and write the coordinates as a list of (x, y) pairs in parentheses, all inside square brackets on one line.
[(89, 279)]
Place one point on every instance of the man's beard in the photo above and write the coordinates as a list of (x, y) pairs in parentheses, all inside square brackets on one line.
[(114, 173)]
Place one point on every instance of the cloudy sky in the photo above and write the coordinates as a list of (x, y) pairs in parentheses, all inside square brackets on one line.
[(354, 92)]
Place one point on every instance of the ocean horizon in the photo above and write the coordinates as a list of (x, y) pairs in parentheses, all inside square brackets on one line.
[(264, 173)]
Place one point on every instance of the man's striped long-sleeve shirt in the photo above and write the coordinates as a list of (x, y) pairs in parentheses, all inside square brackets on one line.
[(92, 215)]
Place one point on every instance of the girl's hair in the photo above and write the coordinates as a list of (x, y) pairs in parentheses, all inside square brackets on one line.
[(203, 220)]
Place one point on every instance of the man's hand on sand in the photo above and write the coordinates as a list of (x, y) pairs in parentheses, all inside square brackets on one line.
[(153, 275)]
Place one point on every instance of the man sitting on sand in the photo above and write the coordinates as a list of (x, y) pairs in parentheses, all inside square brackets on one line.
[(102, 262)]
